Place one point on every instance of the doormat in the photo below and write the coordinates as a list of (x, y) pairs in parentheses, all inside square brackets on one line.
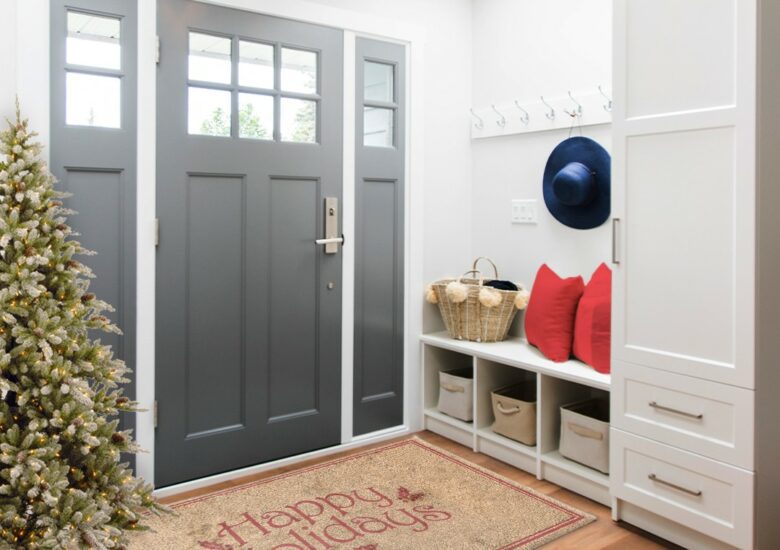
[(402, 495)]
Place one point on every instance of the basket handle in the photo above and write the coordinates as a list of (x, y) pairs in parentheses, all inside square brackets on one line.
[(452, 387), (585, 432), (495, 269), (476, 272), (503, 410)]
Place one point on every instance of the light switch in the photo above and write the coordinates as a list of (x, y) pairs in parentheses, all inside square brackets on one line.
[(524, 211)]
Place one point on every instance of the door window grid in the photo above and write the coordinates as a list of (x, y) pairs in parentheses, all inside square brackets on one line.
[(380, 103), (273, 89), (93, 70)]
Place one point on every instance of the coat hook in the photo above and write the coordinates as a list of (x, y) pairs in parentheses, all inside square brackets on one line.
[(608, 105), (576, 112), (525, 118), (479, 124), (501, 118), (551, 113)]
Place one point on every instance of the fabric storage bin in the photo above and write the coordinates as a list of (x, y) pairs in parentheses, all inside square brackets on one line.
[(585, 433), (514, 408), (456, 395)]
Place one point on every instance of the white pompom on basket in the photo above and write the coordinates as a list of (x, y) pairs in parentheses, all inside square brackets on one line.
[(472, 311)]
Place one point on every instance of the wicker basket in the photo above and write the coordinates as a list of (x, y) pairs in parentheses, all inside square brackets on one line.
[(470, 319)]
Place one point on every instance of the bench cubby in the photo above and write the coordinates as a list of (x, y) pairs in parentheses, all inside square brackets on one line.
[(501, 364)]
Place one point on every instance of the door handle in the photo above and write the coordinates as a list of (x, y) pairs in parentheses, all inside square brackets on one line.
[(332, 239), (615, 259), (339, 240)]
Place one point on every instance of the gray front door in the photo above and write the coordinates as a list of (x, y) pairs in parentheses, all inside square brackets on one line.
[(249, 146)]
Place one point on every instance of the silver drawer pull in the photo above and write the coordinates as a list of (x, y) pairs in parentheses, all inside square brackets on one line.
[(675, 411), (653, 477)]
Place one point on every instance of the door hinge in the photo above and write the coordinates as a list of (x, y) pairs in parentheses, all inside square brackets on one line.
[(154, 413), (157, 51), (157, 232)]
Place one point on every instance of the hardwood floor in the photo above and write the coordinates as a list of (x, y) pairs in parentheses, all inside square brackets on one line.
[(601, 534)]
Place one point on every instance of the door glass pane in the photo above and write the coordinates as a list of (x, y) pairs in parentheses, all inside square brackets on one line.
[(209, 112), (93, 41), (209, 58), (299, 71), (298, 120), (377, 82), (255, 64), (378, 127), (255, 116), (92, 100)]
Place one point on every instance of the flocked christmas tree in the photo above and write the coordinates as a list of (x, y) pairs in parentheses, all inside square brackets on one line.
[(62, 482)]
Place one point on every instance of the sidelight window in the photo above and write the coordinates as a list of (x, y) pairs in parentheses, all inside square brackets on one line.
[(379, 104), (93, 63)]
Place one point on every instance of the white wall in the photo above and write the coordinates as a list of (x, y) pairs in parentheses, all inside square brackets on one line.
[(7, 62), (23, 36), (523, 49), (447, 27)]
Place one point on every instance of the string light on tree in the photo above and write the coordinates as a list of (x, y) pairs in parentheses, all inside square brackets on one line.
[(60, 391)]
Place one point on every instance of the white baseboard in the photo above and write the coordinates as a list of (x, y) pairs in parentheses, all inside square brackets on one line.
[(359, 441)]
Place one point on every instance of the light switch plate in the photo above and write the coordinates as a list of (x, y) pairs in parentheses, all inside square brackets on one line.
[(524, 211)]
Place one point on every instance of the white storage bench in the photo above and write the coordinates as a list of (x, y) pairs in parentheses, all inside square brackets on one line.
[(501, 364)]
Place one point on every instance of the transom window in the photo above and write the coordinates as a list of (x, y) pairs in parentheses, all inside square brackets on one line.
[(379, 104), (93, 63), (252, 89)]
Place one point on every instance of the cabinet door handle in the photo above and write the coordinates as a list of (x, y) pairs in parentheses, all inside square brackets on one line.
[(653, 477), (615, 259), (655, 405)]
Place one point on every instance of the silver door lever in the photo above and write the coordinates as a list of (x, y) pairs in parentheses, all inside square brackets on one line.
[(339, 240), (331, 239)]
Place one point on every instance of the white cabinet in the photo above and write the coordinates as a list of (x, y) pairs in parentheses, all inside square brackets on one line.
[(703, 494), (709, 418), (695, 167), (684, 186)]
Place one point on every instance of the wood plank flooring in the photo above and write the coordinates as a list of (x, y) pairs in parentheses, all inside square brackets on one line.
[(601, 534)]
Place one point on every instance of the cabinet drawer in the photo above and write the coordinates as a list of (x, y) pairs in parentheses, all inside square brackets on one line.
[(702, 494), (705, 417)]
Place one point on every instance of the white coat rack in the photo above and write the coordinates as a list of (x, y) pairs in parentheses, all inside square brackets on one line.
[(583, 108)]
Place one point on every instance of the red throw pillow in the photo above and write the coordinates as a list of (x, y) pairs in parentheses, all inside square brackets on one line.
[(593, 324), (549, 319)]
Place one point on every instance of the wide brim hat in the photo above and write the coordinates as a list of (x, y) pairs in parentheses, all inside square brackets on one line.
[(576, 183)]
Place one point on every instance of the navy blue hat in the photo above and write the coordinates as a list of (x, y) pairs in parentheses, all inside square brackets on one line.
[(576, 183)]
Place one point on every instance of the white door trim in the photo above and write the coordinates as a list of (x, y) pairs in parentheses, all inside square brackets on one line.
[(348, 251)]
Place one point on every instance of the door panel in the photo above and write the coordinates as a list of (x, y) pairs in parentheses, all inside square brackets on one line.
[(684, 193), (93, 152), (214, 237), (248, 328), (379, 235)]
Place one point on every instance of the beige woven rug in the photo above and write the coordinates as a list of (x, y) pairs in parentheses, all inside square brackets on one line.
[(402, 495)]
